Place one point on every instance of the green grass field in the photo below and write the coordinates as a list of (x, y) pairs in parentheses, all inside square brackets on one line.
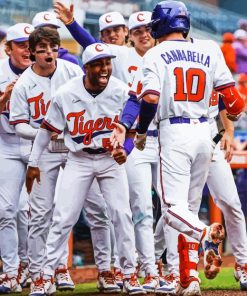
[(224, 281)]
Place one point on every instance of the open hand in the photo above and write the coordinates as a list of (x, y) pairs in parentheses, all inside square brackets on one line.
[(64, 13), (118, 135)]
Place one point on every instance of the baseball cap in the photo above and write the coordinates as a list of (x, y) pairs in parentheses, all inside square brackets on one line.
[(240, 34), (111, 19), (45, 18), (140, 18), (228, 37), (19, 32), (96, 51)]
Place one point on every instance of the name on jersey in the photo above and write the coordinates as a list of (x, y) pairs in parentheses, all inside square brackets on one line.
[(187, 56), (90, 128)]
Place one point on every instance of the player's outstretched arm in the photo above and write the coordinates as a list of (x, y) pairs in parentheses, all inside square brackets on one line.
[(65, 14)]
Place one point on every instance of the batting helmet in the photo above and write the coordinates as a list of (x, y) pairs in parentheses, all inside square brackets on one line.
[(168, 17)]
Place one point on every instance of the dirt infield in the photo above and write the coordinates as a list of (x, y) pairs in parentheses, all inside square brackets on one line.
[(224, 293)]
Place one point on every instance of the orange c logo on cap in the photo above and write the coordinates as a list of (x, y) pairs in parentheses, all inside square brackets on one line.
[(108, 18), (47, 17), (140, 17), (27, 30), (98, 47)]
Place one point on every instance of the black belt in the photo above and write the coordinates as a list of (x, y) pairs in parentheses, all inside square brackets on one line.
[(94, 151)]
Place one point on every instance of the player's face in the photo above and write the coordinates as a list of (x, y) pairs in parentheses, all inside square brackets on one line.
[(114, 35), (19, 54), (142, 39), (46, 54), (98, 73)]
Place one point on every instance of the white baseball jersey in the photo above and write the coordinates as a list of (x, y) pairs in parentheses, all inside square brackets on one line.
[(126, 63), (32, 93), (6, 77), (85, 120), (183, 75)]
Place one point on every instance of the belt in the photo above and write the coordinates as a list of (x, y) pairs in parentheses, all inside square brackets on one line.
[(153, 133), (94, 151), (180, 119)]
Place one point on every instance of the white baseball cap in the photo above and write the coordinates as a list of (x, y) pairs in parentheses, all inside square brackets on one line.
[(111, 19), (240, 34), (140, 18), (96, 51), (19, 32), (45, 18)]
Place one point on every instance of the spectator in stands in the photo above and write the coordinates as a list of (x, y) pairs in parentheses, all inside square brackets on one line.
[(229, 51), (240, 45), (243, 24)]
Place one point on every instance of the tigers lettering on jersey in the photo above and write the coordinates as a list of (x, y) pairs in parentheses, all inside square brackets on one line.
[(38, 107), (86, 130)]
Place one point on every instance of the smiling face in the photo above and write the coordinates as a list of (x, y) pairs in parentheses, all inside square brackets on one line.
[(114, 35), (19, 54), (98, 74), (142, 39)]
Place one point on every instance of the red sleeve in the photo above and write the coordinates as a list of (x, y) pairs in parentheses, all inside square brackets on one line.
[(233, 101)]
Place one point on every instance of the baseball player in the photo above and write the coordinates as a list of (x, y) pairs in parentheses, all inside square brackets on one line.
[(131, 59), (48, 19), (30, 101), (177, 71), (14, 153), (80, 108)]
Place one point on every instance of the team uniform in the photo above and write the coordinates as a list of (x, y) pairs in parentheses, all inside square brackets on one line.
[(14, 153), (183, 75), (30, 101), (125, 67), (87, 124)]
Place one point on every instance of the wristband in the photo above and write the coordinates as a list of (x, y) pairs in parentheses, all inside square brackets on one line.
[(69, 22), (128, 145)]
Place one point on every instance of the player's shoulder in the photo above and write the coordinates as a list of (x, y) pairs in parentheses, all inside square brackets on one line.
[(64, 64), (72, 85), (117, 83), (208, 43)]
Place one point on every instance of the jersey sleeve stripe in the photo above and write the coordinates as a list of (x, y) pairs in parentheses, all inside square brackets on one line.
[(218, 88), (14, 122), (51, 127), (149, 92), (132, 93)]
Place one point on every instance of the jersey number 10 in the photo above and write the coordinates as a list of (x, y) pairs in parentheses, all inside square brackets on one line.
[(194, 79)]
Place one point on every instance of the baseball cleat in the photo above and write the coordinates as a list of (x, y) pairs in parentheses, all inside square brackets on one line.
[(150, 283), (49, 286), (132, 286), (9, 284), (240, 274), (211, 239), (23, 274), (37, 288), (63, 280), (119, 277), (168, 285), (107, 283), (192, 289)]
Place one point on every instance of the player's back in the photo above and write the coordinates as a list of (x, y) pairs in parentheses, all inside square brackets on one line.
[(184, 73)]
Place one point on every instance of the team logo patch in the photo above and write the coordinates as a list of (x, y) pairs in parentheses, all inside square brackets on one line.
[(108, 18), (140, 17), (98, 47), (27, 30)]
